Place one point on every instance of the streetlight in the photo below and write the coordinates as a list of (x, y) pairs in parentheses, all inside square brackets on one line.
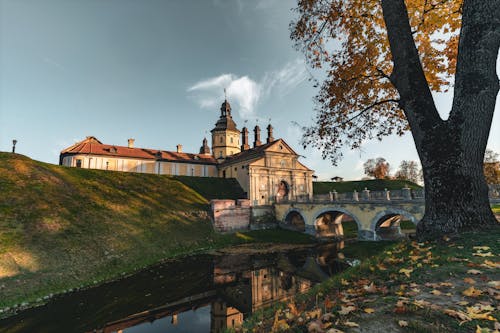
[(14, 146)]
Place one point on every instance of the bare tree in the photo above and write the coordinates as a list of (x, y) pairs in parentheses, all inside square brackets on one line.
[(408, 170)]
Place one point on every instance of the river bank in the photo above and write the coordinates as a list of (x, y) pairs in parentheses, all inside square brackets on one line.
[(66, 228), (452, 285), (29, 290)]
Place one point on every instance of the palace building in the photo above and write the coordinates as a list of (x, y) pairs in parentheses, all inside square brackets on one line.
[(267, 171)]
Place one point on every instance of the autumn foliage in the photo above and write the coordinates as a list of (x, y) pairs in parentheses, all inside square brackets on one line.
[(357, 100)]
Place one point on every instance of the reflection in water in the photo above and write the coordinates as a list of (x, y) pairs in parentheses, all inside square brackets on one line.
[(198, 294)]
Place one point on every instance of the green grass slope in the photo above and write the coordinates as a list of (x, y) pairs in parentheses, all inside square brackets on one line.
[(61, 227), (214, 188), (372, 185)]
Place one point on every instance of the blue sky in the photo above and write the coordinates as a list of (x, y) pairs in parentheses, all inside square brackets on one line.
[(155, 70)]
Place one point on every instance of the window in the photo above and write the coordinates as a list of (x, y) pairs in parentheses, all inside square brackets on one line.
[(220, 139), (220, 154), (235, 169), (231, 140), (78, 163), (224, 174)]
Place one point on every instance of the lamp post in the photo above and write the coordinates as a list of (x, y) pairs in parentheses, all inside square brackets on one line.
[(14, 146)]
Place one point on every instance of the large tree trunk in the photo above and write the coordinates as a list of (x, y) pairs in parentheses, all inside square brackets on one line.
[(456, 193), (451, 151)]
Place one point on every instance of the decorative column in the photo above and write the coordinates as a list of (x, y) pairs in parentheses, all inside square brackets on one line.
[(355, 196), (406, 193), (366, 194)]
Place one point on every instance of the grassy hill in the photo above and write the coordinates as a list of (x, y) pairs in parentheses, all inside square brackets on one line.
[(213, 188), (62, 227), (372, 185)]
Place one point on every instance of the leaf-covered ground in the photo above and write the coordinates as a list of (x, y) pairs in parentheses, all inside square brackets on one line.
[(452, 285)]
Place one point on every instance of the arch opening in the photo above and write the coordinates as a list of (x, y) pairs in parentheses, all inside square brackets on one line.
[(295, 221), (394, 225), (334, 223)]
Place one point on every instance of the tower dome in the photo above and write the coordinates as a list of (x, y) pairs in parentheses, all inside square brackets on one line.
[(225, 134)]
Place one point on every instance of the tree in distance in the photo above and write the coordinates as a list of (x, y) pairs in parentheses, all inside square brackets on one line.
[(408, 170), (491, 167), (378, 168), (383, 58)]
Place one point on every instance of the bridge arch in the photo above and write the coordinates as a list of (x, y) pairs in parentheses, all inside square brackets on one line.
[(327, 224), (294, 219), (386, 224)]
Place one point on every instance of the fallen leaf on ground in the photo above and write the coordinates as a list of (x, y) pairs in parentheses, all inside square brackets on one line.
[(494, 284), (345, 310), (490, 264), (314, 327), (350, 324), (474, 271), (421, 303), (457, 314), (469, 280), (403, 323), (436, 292), (472, 292), (481, 248), (406, 272), (481, 254), (371, 288), (369, 310)]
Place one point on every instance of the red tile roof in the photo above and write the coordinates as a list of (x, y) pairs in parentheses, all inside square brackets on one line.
[(92, 146)]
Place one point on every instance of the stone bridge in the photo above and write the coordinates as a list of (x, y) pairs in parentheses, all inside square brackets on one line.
[(377, 215)]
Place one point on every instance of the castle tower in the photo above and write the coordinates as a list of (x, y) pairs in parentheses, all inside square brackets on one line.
[(225, 135)]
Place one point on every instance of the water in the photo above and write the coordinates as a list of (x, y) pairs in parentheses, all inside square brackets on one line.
[(203, 293)]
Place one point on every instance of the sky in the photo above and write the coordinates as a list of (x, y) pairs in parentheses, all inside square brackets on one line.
[(155, 71)]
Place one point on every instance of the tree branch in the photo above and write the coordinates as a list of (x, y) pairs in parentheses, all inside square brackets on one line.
[(368, 108), (408, 76)]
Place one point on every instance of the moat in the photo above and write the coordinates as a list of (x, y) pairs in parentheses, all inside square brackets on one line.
[(202, 293)]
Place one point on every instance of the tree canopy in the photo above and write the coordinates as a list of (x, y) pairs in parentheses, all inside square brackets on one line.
[(357, 100)]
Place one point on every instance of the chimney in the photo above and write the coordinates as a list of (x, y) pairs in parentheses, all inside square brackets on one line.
[(131, 143), (269, 133), (179, 148), (244, 139), (256, 132)]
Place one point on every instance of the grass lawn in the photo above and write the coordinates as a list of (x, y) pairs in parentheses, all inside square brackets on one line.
[(451, 285)]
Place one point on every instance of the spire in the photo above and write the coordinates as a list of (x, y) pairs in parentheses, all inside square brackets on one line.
[(205, 149)]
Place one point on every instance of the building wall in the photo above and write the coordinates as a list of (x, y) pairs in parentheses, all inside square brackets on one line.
[(260, 178), (225, 143), (140, 166)]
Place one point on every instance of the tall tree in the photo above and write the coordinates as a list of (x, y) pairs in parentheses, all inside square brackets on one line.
[(378, 168), (384, 57), (408, 170)]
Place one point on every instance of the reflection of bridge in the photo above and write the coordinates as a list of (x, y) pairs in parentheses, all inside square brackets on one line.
[(377, 214)]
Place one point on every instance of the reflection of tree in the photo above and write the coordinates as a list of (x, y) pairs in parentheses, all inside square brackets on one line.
[(286, 281)]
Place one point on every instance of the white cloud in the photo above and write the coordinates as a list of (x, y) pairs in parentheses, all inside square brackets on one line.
[(245, 93), (286, 79)]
